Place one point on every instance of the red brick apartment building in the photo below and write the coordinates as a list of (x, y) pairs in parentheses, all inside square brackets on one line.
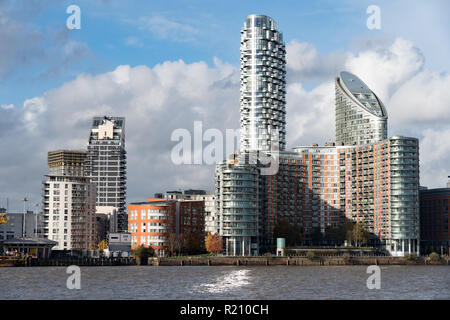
[(150, 223), (434, 220)]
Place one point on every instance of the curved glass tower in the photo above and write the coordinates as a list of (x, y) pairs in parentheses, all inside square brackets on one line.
[(361, 117), (263, 84), (237, 200)]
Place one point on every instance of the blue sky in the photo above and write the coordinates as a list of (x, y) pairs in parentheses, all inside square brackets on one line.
[(125, 61), (115, 33)]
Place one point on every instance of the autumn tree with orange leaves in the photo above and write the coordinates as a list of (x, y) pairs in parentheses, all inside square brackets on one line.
[(213, 243)]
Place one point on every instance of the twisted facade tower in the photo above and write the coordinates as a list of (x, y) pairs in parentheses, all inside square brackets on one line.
[(263, 84)]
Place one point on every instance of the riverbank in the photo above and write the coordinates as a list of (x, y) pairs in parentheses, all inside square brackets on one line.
[(290, 261), (78, 261), (223, 261)]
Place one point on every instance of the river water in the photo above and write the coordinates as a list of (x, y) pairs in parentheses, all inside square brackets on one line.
[(226, 282)]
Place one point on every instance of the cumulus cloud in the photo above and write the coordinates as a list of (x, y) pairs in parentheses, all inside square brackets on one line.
[(310, 114), (434, 161), (305, 63), (386, 68), (7, 106), (423, 100), (417, 99), (174, 94), (155, 102)]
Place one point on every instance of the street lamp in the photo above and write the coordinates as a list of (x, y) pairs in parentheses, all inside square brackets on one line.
[(24, 215), (36, 220)]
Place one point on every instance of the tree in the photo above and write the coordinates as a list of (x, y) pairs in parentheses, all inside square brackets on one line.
[(332, 235), (213, 243), (142, 253), (295, 236), (434, 256), (292, 233), (194, 242), (310, 255), (281, 229), (360, 234), (180, 243), (102, 245), (316, 236), (172, 242), (344, 232)]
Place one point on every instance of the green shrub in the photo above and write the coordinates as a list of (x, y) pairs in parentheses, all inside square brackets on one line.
[(434, 256), (310, 255), (143, 252), (411, 257), (346, 256)]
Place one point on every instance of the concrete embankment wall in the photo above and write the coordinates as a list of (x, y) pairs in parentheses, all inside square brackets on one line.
[(291, 261), (78, 261)]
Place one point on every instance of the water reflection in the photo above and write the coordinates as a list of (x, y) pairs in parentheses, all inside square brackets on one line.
[(231, 281), (222, 282)]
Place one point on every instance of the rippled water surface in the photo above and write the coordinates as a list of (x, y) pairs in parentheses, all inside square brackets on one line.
[(203, 282)]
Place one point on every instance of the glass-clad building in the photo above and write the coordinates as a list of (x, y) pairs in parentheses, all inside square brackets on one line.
[(237, 206), (361, 117), (263, 84), (106, 164)]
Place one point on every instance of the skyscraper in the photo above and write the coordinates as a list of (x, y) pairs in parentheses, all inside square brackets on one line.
[(364, 178), (361, 117), (263, 84), (106, 163)]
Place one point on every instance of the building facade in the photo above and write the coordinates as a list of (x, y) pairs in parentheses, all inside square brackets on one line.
[(67, 163), (208, 197), (14, 225), (106, 164), (154, 222), (318, 187), (365, 177), (361, 117), (434, 220), (69, 203), (263, 84), (238, 206)]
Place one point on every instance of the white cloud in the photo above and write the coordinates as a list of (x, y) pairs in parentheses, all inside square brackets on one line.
[(422, 99), (171, 95), (155, 101), (385, 69), (310, 114), (6, 106), (434, 160), (165, 28), (417, 99), (134, 42), (305, 63)]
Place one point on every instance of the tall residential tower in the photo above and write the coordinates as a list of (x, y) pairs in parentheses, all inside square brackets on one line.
[(106, 163), (263, 84), (69, 202)]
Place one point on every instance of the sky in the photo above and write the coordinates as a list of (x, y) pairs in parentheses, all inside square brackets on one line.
[(165, 64)]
